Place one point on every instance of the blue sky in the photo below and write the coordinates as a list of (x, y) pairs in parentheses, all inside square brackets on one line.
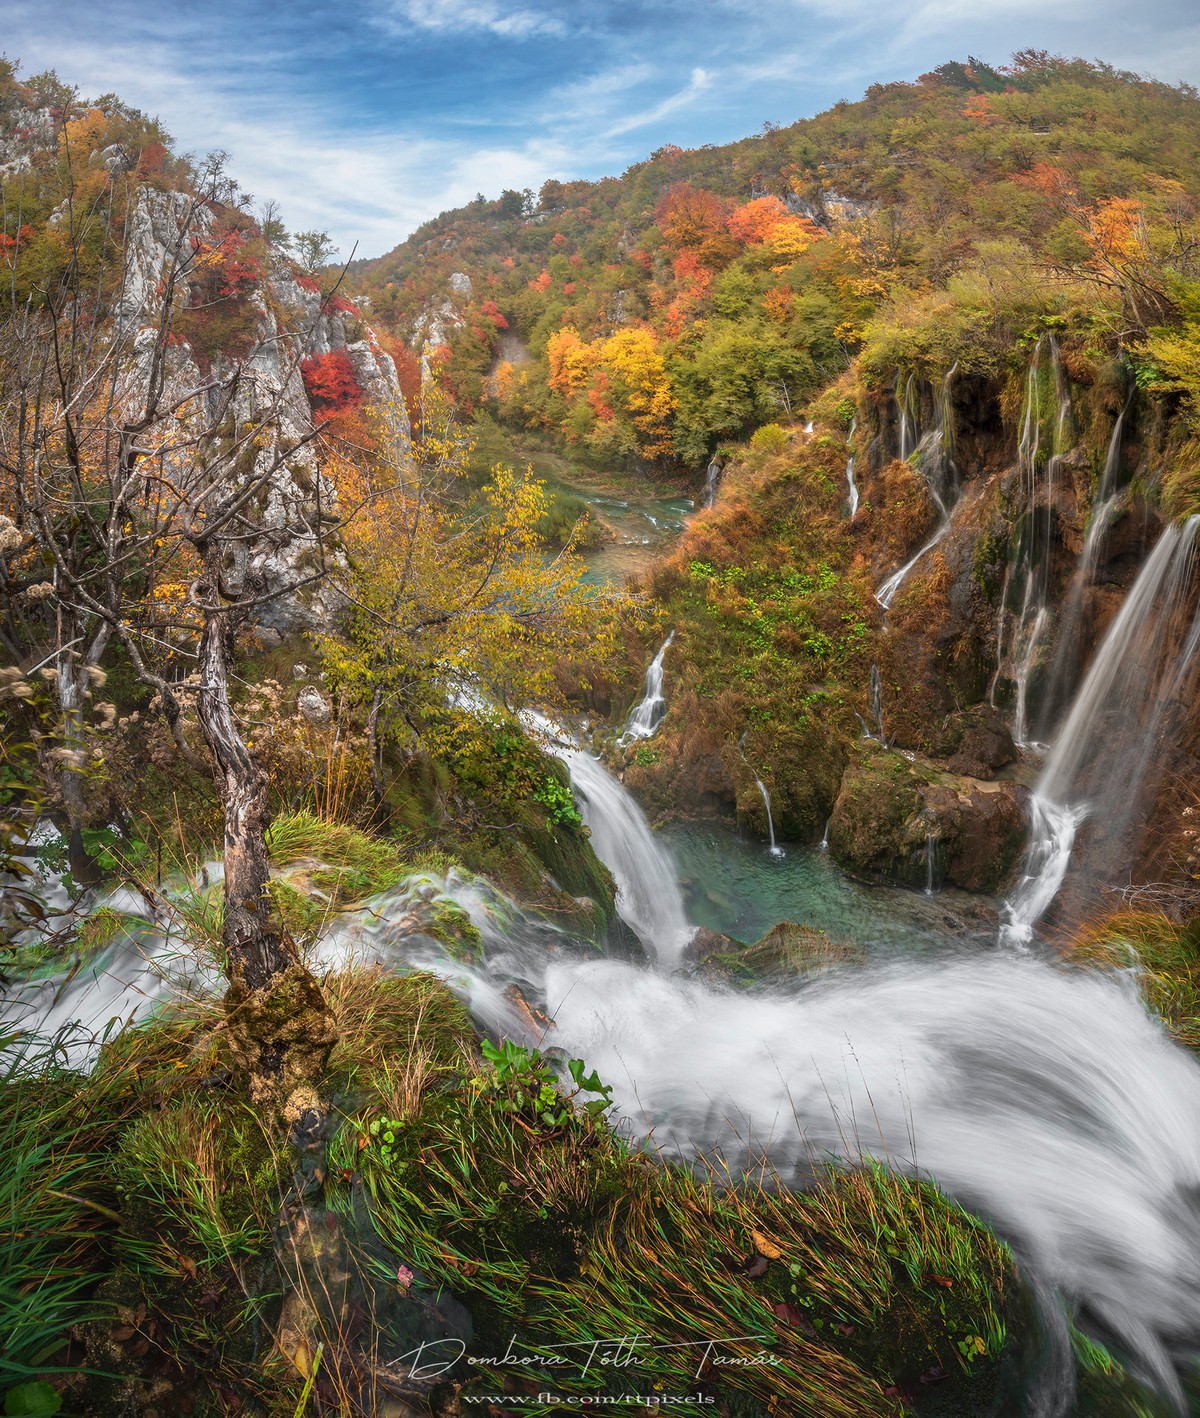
[(366, 117)]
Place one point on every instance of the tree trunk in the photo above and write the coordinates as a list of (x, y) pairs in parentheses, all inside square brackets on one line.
[(71, 684), (257, 948), (280, 1030)]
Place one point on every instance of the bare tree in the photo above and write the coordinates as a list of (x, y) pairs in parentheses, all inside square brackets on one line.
[(161, 491)]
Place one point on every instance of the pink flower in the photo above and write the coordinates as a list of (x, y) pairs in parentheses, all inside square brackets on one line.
[(404, 1277)]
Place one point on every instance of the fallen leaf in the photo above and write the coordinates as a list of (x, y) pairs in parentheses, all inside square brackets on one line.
[(124, 1332), (942, 1280), (758, 1266), (765, 1246)]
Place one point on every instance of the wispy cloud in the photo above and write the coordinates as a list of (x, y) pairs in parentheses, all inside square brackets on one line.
[(458, 16), (700, 81), (371, 125)]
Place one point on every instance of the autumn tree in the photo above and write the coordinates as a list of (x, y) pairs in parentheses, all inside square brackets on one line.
[(457, 611)]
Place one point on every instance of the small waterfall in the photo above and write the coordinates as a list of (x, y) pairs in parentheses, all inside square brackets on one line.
[(710, 483), (930, 858), (648, 713), (908, 415), (850, 483), (766, 797), (1133, 670), (825, 835), (876, 702), (808, 428), (1035, 553), (1064, 671), (935, 459), (648, 896)]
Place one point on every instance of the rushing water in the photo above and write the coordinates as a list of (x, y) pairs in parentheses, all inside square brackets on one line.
[(1043, 1097), (1135, 677), (648, 712)]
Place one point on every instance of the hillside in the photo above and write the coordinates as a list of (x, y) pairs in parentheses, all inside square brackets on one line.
[(929, 222)]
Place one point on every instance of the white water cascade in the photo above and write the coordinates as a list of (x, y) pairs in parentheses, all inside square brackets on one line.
[(648, 712), (850, 483), (1104, 508), (1038, 471), (935, 458), (775, 850), (648, 896), (710, 483), (1133, 670)]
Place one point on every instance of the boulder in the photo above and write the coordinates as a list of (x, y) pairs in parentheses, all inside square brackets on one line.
[(903, 819)]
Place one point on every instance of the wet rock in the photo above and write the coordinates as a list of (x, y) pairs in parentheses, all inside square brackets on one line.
[(975, 742), (903, 819), (706, 944)]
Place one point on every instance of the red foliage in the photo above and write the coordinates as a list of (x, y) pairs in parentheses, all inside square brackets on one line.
[(152, 160), (569, 288), (307, 283), (339, 305), (330, 383), (491, 311), (558, 239)]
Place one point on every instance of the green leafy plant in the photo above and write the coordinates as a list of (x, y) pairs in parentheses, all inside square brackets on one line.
[(531, 1085)]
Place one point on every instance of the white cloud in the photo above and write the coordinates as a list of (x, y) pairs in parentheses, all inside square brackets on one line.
[(462, 16), (700, 81)]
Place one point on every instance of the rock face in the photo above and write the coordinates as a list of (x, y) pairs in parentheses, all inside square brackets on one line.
[(907, 821), (292, 322)]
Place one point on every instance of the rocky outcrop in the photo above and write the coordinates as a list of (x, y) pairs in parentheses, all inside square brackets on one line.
[(291, 321), (907, 821)]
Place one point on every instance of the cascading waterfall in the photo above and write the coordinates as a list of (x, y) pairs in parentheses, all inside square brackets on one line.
[(1133, 678), (1065, 669), (935, 458), (850, 483), (908, 416), (766, 797), (648, 896), (1034, 559), (648, 713), (1043, 1097), (710, 483), (874, 730)]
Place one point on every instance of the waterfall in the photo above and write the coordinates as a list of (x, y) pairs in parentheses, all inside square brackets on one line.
[(876, 692), (935, 459), (1133, 668), (850, 483), (1043, 1098), (648, 896), (930, 859), (1065, 669), (887, 592), (648, 713), (766, 797), (710, 483), (1035, 553), (908, 416)]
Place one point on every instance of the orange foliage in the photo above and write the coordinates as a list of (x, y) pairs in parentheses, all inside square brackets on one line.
[(691, 217)]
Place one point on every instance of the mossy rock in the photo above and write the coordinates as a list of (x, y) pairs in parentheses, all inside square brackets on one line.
[(904, 820)]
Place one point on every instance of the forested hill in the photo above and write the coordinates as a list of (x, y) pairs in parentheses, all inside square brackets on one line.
[(708, 291)]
